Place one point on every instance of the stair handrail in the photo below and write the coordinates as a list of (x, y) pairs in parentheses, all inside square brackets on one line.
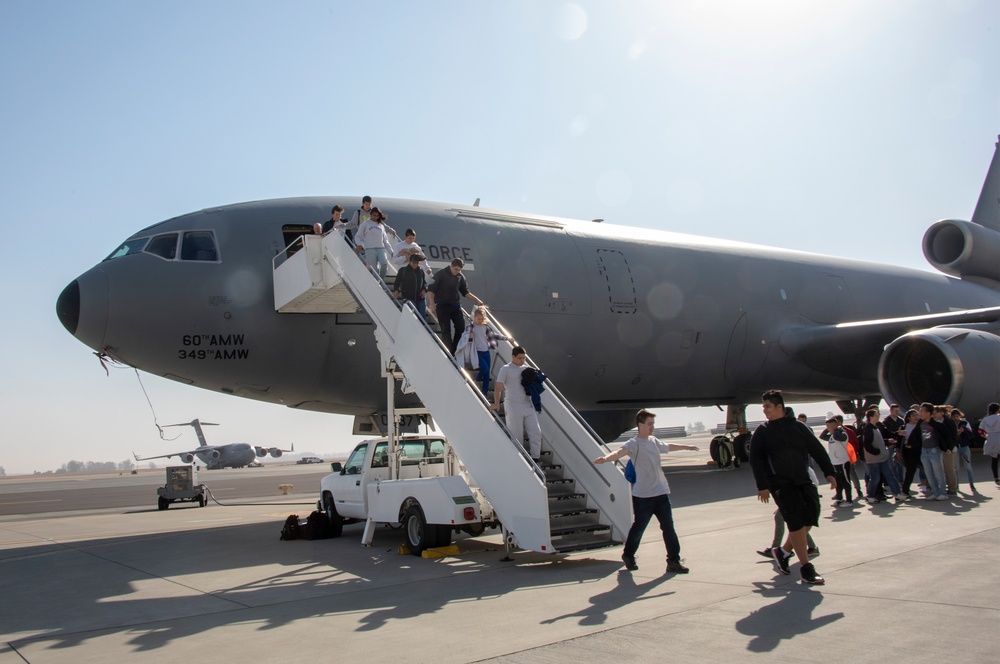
[(470, 383)]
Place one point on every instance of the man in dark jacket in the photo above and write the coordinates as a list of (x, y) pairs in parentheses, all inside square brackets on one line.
[(779, 454), (411, 284), (445, 298)]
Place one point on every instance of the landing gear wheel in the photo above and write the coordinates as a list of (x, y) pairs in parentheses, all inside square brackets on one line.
[(336, 521), (725, 455), (419, 535), (742, 446), (713, 448), (162, 503), (202, 501)]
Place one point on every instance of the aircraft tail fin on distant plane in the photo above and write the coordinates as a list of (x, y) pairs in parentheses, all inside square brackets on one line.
[(987, 212)]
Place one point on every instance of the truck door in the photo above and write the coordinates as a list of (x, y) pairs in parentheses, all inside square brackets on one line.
[(348, 492)]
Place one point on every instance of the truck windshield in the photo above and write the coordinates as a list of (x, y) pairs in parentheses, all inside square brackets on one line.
[(356, 460)]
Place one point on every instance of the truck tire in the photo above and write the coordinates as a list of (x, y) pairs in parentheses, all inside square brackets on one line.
[(162, 503), (419, 535), (202, 501), (336, 521), (443, 535)]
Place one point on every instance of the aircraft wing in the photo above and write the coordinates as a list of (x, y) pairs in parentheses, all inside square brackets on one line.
[(167, 456), (824, 347)]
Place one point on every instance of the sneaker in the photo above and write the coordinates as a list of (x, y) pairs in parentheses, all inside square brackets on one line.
[(997, 481), (872, 500), (765, 552), (813, 552), (810, 576), (844, 503), (780, 560), (629, 562), (677, 568), (901, 497), (972, 488), (941, 497)]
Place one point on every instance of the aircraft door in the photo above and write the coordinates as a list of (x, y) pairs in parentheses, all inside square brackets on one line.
[(613, 267)]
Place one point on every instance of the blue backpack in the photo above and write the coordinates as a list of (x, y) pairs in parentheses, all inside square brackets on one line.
[(630, 472)]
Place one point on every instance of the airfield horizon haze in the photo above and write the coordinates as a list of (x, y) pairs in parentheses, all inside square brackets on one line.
[(841, 127)]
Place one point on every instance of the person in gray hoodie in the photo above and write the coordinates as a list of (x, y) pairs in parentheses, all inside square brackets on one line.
[(873, 436)]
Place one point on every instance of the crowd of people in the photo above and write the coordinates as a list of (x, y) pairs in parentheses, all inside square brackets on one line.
[(930, 443)]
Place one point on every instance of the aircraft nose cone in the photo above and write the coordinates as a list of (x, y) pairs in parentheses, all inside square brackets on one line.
[(82, 308), (68, 306)]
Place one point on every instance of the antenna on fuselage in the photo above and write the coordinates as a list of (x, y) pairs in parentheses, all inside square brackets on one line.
[(197, 424)]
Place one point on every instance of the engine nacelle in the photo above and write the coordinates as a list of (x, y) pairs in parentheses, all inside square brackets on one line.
[(260, 451), (187, 458), (214, 455), (275, 452), (942, 365), (963, 249)]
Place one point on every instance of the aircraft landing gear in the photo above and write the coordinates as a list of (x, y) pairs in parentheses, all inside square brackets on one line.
[(726, 449)]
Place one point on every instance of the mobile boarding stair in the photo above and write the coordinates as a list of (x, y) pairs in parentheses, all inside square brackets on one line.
[(563, 503)]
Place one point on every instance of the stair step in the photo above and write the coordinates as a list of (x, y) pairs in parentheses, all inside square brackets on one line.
[(571, 510), (562, 531), (584, 542), (567, 502)]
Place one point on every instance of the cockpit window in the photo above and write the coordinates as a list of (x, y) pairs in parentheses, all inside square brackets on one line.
[(128, 247), (164, 246), (199, 246)]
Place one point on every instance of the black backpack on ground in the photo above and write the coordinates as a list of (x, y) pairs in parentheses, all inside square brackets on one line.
[(291, 529), (317, 526)]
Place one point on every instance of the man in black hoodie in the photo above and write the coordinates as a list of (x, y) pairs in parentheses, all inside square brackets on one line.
[(779, 454)]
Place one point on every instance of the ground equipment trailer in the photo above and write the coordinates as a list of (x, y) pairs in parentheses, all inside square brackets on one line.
[(181, 487)]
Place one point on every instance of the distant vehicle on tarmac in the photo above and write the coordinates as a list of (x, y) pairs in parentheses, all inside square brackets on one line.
[(255, 464), (310, 460)]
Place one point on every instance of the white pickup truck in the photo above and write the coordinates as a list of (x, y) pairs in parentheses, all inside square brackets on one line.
[(420, 487)]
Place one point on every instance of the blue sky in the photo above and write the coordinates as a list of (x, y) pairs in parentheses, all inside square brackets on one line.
[(836, 127)]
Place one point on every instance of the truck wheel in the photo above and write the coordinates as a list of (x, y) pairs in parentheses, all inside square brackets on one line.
[(202, 501), (336, 521), (162, 503), (443, 535), (419, 535)]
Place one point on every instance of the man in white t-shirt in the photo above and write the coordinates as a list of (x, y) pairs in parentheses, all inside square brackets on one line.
[(651, 492), (519, 414)]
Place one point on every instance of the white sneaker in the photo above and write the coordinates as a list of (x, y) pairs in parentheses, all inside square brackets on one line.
[(871, 500), (901, 497), (941, 497), (844, 503)]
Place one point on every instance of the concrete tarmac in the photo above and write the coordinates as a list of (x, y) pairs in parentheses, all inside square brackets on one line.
[(916, 581)]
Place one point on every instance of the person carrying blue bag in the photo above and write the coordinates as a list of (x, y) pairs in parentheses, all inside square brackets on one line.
[(650, 491)]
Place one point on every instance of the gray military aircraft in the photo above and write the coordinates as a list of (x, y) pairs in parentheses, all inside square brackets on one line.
[(216, 457), (620, 317)]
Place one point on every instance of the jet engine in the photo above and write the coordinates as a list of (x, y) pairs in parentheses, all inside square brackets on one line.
[(264, 451), (187, 458), (963, 249), (214, 454), (942, 365)]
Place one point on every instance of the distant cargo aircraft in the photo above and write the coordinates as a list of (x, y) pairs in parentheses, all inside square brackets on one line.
[(618, 317), (232, 455)]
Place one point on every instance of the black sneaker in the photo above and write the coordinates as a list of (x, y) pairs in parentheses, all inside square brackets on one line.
[(629, 562), (677, 568), (765, 552), (810, 576), (813, 552), (780, 560)]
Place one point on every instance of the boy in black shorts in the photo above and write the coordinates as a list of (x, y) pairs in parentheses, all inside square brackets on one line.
[(779, 454)]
